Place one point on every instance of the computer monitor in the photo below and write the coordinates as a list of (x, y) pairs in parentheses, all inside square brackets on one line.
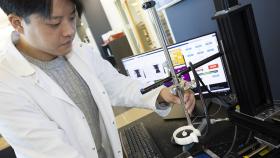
[(148, 67), (152, 66)]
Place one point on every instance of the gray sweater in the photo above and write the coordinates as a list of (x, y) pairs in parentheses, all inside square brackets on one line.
[(65, 75)]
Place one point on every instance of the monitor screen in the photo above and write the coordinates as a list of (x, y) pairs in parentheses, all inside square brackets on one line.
[(148, 67), (152, 66)]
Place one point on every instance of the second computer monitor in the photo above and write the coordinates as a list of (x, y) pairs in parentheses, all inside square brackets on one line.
[(152, 66)]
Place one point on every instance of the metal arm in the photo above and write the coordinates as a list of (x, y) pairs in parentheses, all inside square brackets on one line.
[(167, 79)]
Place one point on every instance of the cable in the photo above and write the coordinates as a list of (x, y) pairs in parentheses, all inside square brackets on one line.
[(194, 119), (218, 110), (211, 115), (249, 138), (202, 100), (233, 142), (211, 93), (226, 5), (222, 4), (212, 121)]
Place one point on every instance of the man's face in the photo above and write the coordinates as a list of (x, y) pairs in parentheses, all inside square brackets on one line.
[(52, 35)]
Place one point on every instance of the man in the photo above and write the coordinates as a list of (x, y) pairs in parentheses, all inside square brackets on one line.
[(56, 94)]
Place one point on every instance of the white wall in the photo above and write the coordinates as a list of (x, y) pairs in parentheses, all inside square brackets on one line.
[(112, 14)]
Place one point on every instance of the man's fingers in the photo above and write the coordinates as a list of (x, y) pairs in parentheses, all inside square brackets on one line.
[(190, 102), (187, 96), (191, 106), (177, 100)]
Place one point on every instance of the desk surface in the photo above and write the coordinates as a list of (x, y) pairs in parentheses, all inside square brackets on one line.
[(3, 144), (161, 131)]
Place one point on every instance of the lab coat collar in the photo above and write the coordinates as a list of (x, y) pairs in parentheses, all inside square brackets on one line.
[(14, 60)]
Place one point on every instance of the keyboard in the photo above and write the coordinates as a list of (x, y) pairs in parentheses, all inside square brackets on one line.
[(137, 142)]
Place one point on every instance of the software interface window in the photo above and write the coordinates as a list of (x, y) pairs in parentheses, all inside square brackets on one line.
[(147, 67), (152, 66)]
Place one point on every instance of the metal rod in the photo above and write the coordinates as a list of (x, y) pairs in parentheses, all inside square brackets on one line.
[(151, 5)]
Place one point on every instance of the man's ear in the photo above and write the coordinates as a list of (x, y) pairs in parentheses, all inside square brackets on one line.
[(16, 22)]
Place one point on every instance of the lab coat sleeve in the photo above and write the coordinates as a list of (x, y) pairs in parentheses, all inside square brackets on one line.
[(29, 131), (122, 90)]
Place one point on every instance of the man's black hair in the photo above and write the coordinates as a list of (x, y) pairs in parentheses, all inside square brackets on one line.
[(24, 8)]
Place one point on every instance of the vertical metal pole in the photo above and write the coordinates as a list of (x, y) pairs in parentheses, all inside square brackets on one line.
[(151, 5)]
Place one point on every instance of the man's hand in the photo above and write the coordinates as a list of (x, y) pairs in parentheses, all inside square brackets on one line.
[(189, 99)]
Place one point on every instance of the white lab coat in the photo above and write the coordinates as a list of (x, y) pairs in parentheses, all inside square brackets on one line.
[(39, 120)]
